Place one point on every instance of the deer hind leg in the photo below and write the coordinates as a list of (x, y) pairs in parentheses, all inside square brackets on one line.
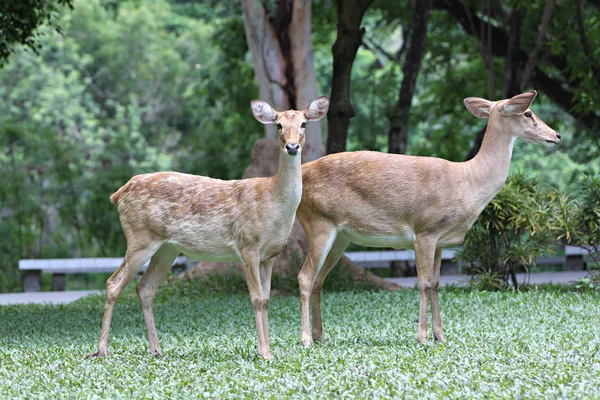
[(436, 319), (153, 278), (425, 249), (251, 264), (266, 268), (321, 236), (337, 249), (135, 257)]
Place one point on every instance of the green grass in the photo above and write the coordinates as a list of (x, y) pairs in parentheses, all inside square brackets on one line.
[(534, 344)]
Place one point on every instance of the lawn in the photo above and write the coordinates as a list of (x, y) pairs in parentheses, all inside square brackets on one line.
[(535, 344)]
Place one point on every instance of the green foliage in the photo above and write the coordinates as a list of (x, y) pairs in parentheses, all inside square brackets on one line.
[(132, 86), (537, 344), (515, 228), (232, 282), (20, 20), (579, 218)]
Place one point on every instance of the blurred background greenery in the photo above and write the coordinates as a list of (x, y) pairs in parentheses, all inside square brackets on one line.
[(95, 91)]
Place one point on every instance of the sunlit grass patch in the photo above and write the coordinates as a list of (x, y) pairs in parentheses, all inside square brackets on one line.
[(536, 344)]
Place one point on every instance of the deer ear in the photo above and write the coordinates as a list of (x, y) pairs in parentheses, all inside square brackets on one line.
[(317, 109), (263, 112), (519, 103), (478, 107)]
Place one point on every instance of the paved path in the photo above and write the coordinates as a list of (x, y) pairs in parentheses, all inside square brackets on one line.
[(445, 280), (44, 297), (536, 278)]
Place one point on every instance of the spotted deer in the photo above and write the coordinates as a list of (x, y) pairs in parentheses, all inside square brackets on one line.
[(164, 214), (425, 203)]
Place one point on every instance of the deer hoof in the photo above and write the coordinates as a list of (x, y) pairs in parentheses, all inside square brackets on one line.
[(440, 338), (97, 354), (156, 353), (319, 338)]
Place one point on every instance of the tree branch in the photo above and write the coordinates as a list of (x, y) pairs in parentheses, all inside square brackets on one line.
[(587, 49), (399, 120), (535, 55), (557, 90)]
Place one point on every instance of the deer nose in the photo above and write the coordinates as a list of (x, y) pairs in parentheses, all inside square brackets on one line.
[(558, 136), (292, 148)]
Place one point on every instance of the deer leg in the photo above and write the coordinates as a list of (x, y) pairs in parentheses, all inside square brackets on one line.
[(153, 278), (320, 239), (251, 262), (266, 268), (436, 319), (424, 254), (337, 249), (132, 263)]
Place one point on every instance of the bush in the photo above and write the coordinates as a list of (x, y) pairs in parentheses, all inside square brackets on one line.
[(232, 281), (514, 229), (579, 218)]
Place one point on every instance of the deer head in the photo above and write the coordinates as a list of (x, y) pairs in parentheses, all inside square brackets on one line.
[(515, 117), (291, 124)]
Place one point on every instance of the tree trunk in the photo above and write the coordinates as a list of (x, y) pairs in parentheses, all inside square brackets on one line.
[(510, 87), (558, 90), (412, 64), (535, 55), (349, 39), (585, 43), (279, 38)]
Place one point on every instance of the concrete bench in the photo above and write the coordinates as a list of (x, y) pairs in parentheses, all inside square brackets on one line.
[(383, 259), (59, 267), (575, 259)]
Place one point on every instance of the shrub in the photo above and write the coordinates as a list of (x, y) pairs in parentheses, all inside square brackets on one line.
[(579, 218), (514, 229)]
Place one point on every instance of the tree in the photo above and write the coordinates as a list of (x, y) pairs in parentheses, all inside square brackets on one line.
[(560, 72), (20, 20), (279, 38), (349, 38), (412, 64)]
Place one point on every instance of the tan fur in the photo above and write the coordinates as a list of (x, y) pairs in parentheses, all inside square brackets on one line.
[(167, 213), (386, 200)]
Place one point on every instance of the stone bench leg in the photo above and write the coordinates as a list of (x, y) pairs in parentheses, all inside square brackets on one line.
[(32, 280), (59, 282), (575, 263), (449, 267)]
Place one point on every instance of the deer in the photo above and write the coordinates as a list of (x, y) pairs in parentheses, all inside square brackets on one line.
[(164, 214), (390, 200)]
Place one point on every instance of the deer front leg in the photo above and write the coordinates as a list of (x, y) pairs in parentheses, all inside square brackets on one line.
[(251, 263), (153, 278), (337, 249), (424, 254), (266, 268), (438, 332), (320, 240)]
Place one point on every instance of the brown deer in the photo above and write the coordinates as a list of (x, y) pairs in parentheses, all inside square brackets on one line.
[(425, 203), (167, 213)]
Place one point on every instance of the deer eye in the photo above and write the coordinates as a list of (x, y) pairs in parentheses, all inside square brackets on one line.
[(528, 114), (279, 127), (303, 125)]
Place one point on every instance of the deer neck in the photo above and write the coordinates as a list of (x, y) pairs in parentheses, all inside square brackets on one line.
[(489, 168), (287, 187)]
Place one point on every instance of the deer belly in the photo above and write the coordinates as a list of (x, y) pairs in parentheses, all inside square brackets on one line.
[(397, 241), (271, 250), (452, 238), (225, 252)]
